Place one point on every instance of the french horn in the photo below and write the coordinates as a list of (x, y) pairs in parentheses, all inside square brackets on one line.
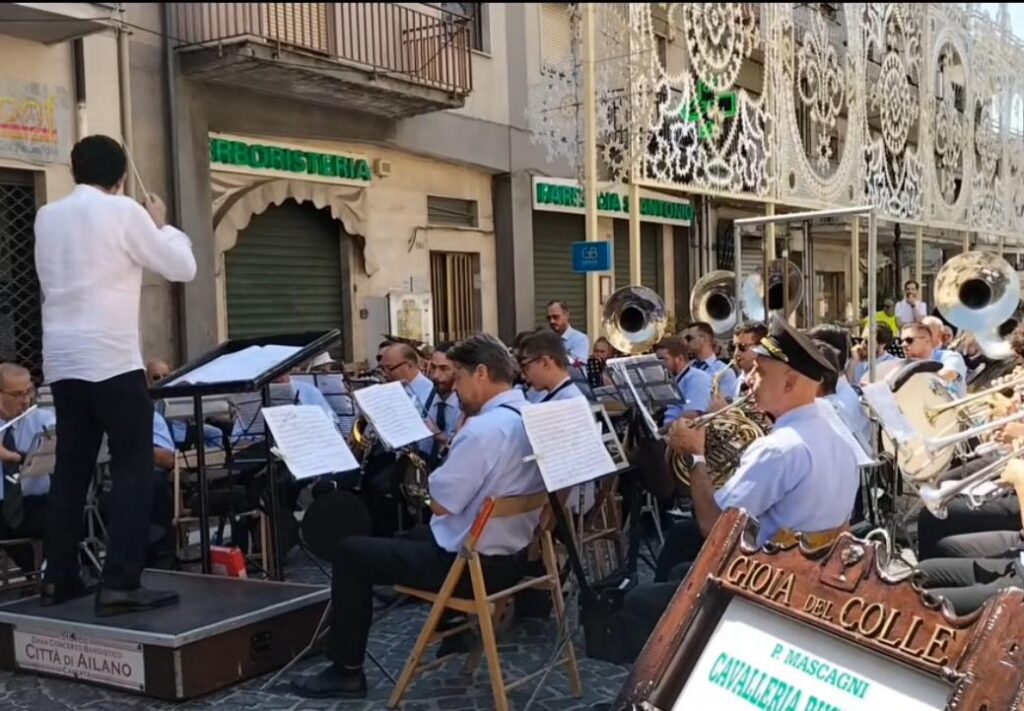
[(729, 432)]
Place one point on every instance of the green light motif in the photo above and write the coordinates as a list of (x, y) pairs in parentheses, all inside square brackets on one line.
[(708, 108)]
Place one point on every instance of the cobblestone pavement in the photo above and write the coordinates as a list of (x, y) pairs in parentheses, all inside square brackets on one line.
[(526, 647)]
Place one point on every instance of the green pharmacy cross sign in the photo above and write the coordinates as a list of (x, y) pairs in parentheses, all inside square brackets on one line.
[(708, 107)]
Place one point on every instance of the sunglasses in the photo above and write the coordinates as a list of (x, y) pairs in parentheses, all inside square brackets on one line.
[(909, 340)]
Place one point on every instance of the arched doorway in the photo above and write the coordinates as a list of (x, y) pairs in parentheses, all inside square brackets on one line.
[(288, 273)]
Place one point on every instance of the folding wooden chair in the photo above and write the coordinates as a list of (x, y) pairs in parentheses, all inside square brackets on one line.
[(484, 604)]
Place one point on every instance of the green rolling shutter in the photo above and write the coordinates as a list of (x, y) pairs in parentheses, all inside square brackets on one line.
[(651, 271), (553, 277), (285, 275)]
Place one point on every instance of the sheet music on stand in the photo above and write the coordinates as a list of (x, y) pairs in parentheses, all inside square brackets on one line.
[(567, 443), (332, 386), (392, 414), (247, 407), (307, 441), (239, 365), (644, 382), (43, 459), (609, 436)]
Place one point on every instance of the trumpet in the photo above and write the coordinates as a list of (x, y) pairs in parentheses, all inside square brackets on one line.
[(1015, 382), (936, 498)]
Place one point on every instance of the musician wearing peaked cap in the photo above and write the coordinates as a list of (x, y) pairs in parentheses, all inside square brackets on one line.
[(801, 477)]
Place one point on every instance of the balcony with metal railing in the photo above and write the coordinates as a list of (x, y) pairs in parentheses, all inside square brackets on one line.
[(386, 59)]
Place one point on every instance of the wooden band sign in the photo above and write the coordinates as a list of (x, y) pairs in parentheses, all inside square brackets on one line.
[(837, 629)]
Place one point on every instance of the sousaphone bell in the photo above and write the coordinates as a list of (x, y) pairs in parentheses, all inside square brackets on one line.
[(754, 301), (634, 319), (980, 292), (713, 301)]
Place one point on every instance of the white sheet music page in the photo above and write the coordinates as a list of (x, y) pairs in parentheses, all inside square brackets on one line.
[(245, 364), (392, 414), (307, 442), (567, 442), (880, 398), (829, 412)]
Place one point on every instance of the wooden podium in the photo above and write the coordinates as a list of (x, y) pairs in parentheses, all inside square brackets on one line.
[(837, 628)]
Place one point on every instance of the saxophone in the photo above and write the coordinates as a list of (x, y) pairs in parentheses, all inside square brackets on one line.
[(729, 432)]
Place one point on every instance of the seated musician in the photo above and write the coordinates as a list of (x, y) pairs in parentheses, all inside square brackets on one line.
[(445, 412), (694, 385), (968, 582), (486, 460), (746, 336), (700, 340), (162, 551), (802, 476), (853, 416), (859, 362), (990, 530), (544, 365), (24, 503), (182, 431), (922, 341)]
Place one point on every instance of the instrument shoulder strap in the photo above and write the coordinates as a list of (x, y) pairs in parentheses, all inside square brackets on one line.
[(562, 386)]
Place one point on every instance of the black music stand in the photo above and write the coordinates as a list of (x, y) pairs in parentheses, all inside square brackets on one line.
[(310, 345)]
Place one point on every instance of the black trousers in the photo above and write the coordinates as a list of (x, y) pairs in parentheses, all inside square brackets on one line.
[(682, 545), (984, 544), (416, 560), (1002, 514), (120, 408), (968, 583), (32, 526)]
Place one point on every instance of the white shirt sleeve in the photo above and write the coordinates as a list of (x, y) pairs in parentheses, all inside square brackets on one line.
[(164, 250)]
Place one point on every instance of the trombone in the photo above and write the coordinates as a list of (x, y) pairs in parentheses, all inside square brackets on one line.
[(936, 498)]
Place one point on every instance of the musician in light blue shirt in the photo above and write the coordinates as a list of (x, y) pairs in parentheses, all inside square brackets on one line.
[(694, 385), (850, 410), (19, 441), (883, 339), (918, 345), (744, 339), (800, 477), (488, 459), (401, 364), (577, 345), (445, 411), (542, 362), (700, 340)]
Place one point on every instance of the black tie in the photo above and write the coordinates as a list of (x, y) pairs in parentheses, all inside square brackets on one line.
[(13, 507), (441, 422)]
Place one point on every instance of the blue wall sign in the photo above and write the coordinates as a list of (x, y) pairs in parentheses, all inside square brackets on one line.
[(592, 256)]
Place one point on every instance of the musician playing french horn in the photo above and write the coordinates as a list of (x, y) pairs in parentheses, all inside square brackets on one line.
[(802, 476)]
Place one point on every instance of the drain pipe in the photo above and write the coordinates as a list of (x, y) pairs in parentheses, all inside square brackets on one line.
[(78, 64), (174, 161)]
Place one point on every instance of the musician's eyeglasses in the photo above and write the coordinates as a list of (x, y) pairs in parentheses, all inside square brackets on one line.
[(393, 368), (909, 340), (523, 364), (20, 394)]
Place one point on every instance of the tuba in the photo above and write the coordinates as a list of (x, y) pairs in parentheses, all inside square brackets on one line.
[(712, 300), (634, 319), (980, 293)]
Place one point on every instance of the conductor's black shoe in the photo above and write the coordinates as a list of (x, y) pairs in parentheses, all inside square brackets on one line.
[(55, 593), (116, 602), (332, 682)]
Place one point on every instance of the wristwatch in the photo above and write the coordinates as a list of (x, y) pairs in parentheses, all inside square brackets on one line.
[(695, 459)]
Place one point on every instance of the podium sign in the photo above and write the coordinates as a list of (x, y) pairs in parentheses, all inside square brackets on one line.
[(792, 629)]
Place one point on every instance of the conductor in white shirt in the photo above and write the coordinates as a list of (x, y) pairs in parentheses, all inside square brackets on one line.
[(91, 249)]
